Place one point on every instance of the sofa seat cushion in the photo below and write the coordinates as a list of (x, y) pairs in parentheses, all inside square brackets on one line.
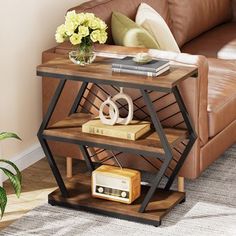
[(219, 42), (221, 95)]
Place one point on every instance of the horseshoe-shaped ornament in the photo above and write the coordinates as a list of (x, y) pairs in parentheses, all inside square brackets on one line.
[(129, 118)]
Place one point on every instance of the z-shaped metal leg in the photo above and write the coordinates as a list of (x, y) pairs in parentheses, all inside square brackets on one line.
[(192, 137), (44, 143), (54, 167), (166, 147)]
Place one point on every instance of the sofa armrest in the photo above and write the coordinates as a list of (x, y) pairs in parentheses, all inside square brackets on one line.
[(194, 90)]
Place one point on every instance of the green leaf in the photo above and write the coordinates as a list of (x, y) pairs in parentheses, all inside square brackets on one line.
[(3, 200), (14, 179), (6, 135), (14, 167)]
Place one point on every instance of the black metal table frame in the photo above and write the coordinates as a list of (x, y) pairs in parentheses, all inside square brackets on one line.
[(156, 123)]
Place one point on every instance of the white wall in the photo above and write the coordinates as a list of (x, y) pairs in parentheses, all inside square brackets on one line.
[(27, 28)]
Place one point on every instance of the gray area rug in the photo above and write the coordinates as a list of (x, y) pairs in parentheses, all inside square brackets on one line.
[(210, 209)]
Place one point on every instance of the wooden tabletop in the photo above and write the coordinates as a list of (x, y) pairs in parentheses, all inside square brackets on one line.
[(100, 71)]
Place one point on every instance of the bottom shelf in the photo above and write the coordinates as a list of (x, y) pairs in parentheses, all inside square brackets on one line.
[(81, 199)]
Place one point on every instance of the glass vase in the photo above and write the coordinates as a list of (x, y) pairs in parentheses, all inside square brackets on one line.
[(82, 55)]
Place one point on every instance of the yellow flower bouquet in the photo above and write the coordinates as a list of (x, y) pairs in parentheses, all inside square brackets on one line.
[(82, 30)]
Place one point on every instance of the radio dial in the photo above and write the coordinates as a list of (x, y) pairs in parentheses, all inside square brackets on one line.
[(123, 194), (100, 190)]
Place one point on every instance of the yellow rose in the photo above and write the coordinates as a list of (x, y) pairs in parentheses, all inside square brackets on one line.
[(77, 19), (95, 35), (102, 25), (61, 29), (73, 20), (103, 37), (75, 39), (70, 15), (94, 23), (89, 16), (60, 33), (83, 31), (59, 38), (70, 27), (81, 18)]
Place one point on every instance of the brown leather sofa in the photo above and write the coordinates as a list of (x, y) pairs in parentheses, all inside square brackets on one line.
[(200, 27)]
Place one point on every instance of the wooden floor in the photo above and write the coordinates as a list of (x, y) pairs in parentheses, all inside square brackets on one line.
[(38, 182)]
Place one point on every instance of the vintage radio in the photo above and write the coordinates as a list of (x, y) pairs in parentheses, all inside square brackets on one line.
[(116, 184)]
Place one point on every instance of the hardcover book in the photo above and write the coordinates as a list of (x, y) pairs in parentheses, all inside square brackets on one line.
[(152, 66), (139, 72), (132, 131)]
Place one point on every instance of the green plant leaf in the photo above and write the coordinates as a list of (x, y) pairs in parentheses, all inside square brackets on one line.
[(6, 135), (14, 179), (18, 173), (3, 200)]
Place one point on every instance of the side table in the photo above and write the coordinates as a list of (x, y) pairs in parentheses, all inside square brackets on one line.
[(154, 202)]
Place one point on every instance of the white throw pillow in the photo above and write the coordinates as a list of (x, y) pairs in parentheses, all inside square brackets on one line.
[(150, 20)]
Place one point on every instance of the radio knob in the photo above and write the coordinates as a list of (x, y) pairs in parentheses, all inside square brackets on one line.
[(123, 194), (100, 190)]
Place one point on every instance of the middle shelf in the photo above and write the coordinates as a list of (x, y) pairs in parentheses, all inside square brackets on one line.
[(70, 130)]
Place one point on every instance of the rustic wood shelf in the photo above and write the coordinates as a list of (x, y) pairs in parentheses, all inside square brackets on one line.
[(70, 129), (80, 198)]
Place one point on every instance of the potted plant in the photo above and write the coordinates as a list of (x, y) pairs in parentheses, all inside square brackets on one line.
[(82, 30), (15, 179)]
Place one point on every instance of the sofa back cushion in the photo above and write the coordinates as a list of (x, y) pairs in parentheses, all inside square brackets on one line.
[(190, 18), (104, 8)]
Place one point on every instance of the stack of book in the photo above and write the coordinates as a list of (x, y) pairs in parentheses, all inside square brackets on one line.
[(128, 65)]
